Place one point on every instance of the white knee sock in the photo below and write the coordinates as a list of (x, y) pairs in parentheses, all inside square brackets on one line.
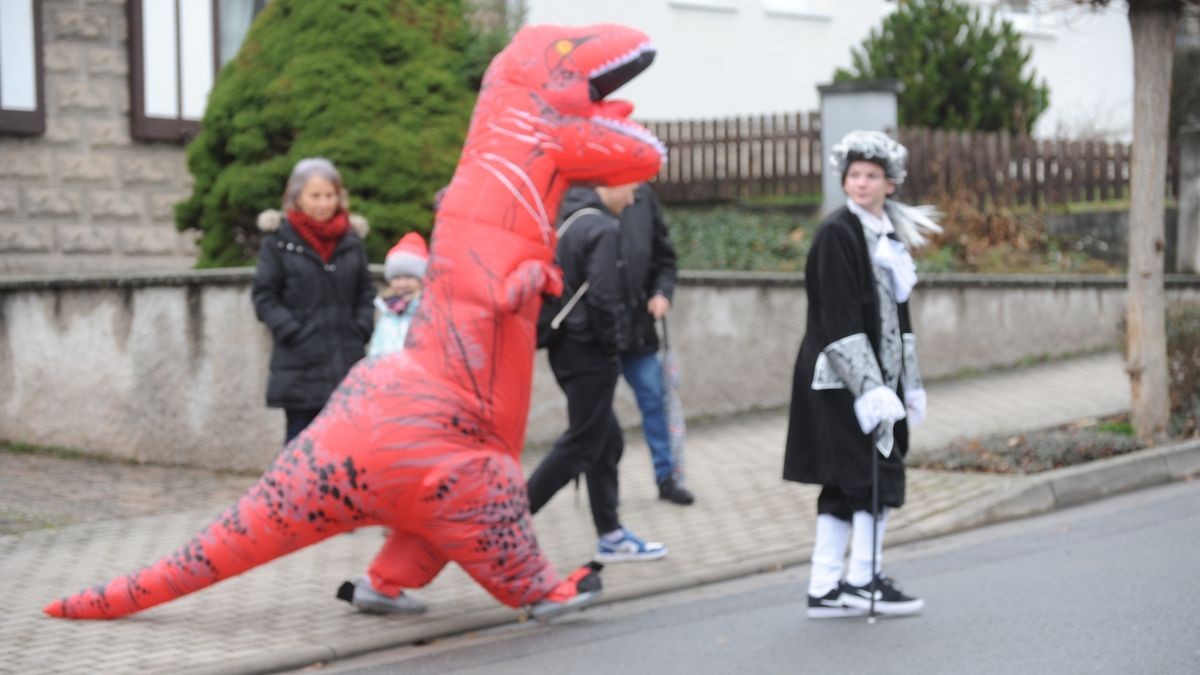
[(859, 573), (829, 554)]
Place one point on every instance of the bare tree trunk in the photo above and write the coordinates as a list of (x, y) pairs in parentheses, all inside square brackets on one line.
[(1153, 26)]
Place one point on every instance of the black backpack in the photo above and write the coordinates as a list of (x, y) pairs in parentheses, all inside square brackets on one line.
[(555, 309)]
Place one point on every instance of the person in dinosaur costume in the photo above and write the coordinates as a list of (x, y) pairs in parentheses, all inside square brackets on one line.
[(427, 441)]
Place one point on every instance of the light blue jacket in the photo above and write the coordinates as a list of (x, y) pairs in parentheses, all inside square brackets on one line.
[(391, 328)]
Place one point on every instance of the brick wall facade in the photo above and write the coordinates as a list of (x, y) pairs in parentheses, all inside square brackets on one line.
[(85, 196)]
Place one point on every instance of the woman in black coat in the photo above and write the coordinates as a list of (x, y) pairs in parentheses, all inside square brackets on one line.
[(313, 290), (856, 378)]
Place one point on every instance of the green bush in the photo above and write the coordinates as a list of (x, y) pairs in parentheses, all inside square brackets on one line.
[(1183, 367), (959, 70), (756, 236), (381, 87), (730, 238)]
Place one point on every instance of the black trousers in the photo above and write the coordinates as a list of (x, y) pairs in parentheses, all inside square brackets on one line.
[(298, 420), (834, 502), (592, 444)]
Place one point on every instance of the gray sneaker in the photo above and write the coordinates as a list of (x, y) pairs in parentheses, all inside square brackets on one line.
[(366, 599)]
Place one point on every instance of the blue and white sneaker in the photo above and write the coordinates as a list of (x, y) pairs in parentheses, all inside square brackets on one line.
[(628, 549)]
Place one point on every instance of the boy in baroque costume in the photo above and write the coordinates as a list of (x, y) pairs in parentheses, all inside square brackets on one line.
[(856, 385)]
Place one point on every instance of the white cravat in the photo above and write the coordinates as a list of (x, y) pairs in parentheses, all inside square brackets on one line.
[(889, 254)]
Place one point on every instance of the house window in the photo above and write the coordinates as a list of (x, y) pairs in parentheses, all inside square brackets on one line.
[(176, 49), (811, 10), (709, 5), (1032, 18), (22, 106)]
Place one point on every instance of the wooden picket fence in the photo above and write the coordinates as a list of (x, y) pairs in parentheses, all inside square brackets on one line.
[(738, 158), (778, 155)]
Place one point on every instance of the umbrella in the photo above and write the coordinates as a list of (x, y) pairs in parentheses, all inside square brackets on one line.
[(676, 426)]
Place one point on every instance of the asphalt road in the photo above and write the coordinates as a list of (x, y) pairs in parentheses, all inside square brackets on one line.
[(1111, 587)]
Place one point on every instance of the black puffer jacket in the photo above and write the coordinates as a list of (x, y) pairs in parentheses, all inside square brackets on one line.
[(649, 266), (320, 315), (590, 250)]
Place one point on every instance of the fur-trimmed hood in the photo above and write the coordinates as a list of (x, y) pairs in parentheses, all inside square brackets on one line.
[(268, 221)]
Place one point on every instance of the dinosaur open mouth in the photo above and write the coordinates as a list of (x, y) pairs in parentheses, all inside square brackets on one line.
[(635, 130), (609, 77)]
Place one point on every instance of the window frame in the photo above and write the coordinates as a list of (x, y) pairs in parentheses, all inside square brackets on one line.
[(142, 126), (30, 122)]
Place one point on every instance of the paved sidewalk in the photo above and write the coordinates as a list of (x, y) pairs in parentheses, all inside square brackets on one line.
[(113, 518)]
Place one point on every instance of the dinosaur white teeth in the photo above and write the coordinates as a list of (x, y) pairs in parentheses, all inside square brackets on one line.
[(635, 130), (614, 63)]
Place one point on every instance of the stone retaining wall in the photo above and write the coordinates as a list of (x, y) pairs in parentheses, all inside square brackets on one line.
[(173, 368)]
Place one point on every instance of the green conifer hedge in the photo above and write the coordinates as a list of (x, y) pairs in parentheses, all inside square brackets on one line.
[(961, 69), (383, 88)]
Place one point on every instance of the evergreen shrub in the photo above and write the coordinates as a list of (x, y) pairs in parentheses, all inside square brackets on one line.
[(960, 69), (383, 88)]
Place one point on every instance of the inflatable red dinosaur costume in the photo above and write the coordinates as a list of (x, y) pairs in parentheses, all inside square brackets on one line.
[(427, 441)]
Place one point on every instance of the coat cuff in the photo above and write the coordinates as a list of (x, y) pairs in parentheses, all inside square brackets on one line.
[(287, 330), (853, 361)]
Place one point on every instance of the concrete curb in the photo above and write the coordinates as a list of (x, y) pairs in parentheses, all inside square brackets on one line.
[(1038, 494), (1062, 488)]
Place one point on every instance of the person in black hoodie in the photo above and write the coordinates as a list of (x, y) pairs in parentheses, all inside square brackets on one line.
[(313, 290), (585, 365)]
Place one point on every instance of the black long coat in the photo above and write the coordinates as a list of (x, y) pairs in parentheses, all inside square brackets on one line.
[(650, 267), (825, 445), (320, 315)]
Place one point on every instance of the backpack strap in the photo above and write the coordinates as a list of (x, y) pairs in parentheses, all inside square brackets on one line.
[(570, 220), (562, 229)]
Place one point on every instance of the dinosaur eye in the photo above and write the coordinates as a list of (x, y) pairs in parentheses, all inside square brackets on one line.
[(563, 47)]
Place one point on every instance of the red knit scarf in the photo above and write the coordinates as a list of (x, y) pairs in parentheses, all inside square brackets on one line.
[(323, 236)]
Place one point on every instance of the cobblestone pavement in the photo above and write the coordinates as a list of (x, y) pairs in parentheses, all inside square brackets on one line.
[(40, 491), (112, 518)]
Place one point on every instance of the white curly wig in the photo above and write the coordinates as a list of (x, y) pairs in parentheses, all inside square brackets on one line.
[(870, 146)]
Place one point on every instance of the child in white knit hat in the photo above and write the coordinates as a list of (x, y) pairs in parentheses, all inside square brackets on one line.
[(403, 269)]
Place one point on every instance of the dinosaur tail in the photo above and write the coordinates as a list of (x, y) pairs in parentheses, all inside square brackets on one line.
[(267, 522)]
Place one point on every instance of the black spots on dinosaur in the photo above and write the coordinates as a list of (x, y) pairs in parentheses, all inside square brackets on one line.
[(351, 472), (472, 431)]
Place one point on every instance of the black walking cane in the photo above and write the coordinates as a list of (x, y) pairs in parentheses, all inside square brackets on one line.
[(874, 518)]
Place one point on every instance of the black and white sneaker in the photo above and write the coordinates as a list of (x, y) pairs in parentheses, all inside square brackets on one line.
[(889, 601), (829, 606)]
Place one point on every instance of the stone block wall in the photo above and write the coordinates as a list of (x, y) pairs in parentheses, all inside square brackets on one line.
[(172, 368), (85, 196)]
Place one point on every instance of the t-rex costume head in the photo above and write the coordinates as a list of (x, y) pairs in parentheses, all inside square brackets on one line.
[(427, 441)]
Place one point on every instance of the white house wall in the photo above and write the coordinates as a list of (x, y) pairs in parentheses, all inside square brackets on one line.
[(722, 58), (1086, 57), (733, 61)]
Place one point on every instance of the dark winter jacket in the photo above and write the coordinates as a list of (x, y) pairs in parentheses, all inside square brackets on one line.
[(649, 266), (590, 250), (825, 445), (320, 315)]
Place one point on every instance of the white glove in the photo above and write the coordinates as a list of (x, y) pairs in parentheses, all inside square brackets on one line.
[(914, 401), (876, 405)]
